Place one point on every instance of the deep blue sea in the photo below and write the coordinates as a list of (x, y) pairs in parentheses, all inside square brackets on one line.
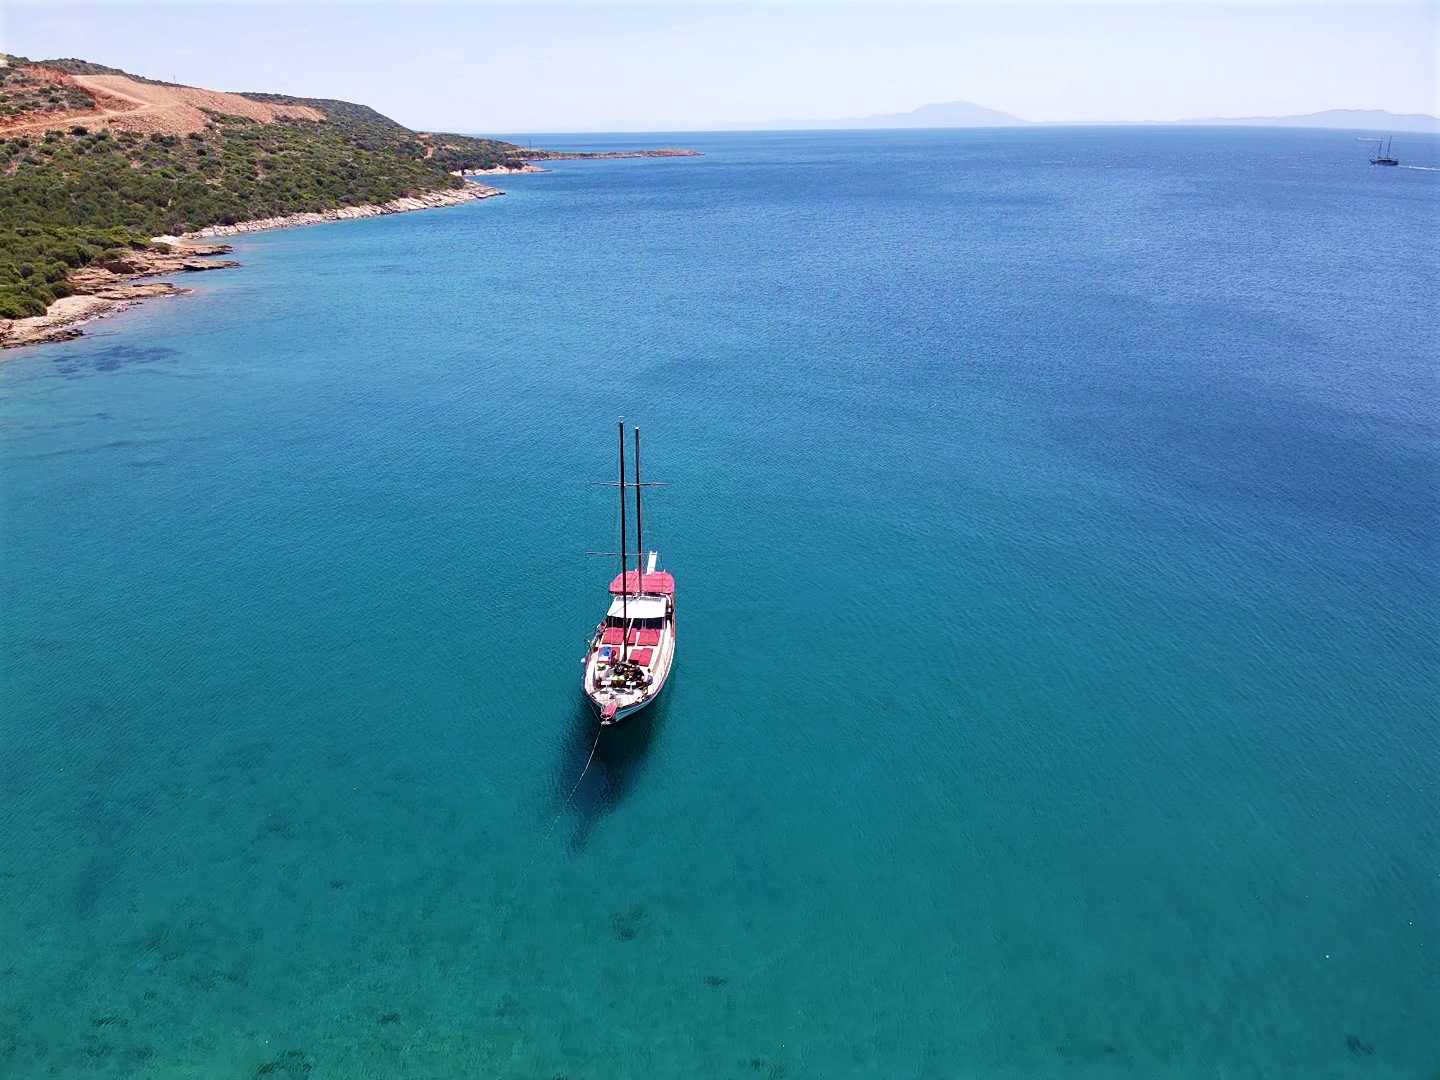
[(1054, 514)]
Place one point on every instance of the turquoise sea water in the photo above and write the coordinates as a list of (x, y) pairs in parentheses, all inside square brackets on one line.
[(1054, 517)]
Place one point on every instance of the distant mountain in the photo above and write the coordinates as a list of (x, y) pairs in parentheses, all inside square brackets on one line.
[(1364, 119), (950, 114), (966, 114)]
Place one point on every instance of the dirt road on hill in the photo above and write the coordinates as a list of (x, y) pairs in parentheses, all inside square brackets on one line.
[(149, 108)]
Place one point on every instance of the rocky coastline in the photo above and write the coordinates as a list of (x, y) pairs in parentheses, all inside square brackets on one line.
[(429, 201), (107, 289), (498, 170), (575, 155), (110, 288)]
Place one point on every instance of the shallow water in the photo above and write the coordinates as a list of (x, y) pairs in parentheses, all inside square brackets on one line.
[(1053, 514)]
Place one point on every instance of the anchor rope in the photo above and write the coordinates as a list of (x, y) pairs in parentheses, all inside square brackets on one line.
[(566, 804), (510, 902)]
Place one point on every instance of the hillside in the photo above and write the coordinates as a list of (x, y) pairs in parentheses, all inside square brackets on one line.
[(100, 97), (371, 130), (96, 161)]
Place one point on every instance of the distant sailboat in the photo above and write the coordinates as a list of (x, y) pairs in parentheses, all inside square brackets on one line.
[(633, 648), (1383, 156)]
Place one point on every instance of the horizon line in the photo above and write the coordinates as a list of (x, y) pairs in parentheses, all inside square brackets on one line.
[(840, 123), (1022, 126)]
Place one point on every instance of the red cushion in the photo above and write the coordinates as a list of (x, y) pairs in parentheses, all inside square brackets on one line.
[(649, 637), (641, 656), (611, 636)]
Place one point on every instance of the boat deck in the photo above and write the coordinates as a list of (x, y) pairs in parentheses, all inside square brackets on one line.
[(650, 650)]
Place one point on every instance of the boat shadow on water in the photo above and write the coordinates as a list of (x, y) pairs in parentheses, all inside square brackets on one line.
[(621, 755)]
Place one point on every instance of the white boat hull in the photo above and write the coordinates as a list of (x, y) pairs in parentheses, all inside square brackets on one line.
[(621, 714)]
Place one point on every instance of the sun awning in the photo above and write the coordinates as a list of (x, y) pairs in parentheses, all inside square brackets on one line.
[(661, 582), (638, 607)]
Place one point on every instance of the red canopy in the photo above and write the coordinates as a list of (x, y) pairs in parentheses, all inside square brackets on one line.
[(661, 582)]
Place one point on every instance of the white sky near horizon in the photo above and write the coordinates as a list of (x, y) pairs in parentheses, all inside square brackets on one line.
[(595, 66)]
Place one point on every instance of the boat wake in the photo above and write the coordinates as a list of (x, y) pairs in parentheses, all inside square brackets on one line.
[(1422, 168)]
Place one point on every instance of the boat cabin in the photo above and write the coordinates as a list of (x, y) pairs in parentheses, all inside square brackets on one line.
[(645, 617), (636, 608)]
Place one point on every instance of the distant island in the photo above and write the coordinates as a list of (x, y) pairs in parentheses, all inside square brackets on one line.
[(966, 114), (109, 176), (1357, 119)]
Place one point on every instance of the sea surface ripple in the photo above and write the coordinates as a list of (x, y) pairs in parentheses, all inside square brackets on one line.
[(1054, 516)]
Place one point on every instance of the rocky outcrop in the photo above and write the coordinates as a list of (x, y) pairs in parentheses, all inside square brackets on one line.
[(497, 170), (564, 155), (428, 201), (106, 289), (573, 155), (63, 318), (180, 258)]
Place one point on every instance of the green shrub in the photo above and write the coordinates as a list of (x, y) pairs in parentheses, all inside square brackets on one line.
[(17, 305)]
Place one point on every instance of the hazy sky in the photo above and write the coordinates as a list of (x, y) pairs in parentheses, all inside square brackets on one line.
[(519, 68)]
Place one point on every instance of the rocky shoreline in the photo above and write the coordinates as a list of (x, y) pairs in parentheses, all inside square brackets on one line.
[(497, 170), (106, 289), (429, 201), (577, 155)]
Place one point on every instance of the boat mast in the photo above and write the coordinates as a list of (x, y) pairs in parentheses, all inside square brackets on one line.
[(624, 559), (639, 534)]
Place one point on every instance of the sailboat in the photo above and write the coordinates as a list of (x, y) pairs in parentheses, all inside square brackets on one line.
[(633, 648), (1383, 157)]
